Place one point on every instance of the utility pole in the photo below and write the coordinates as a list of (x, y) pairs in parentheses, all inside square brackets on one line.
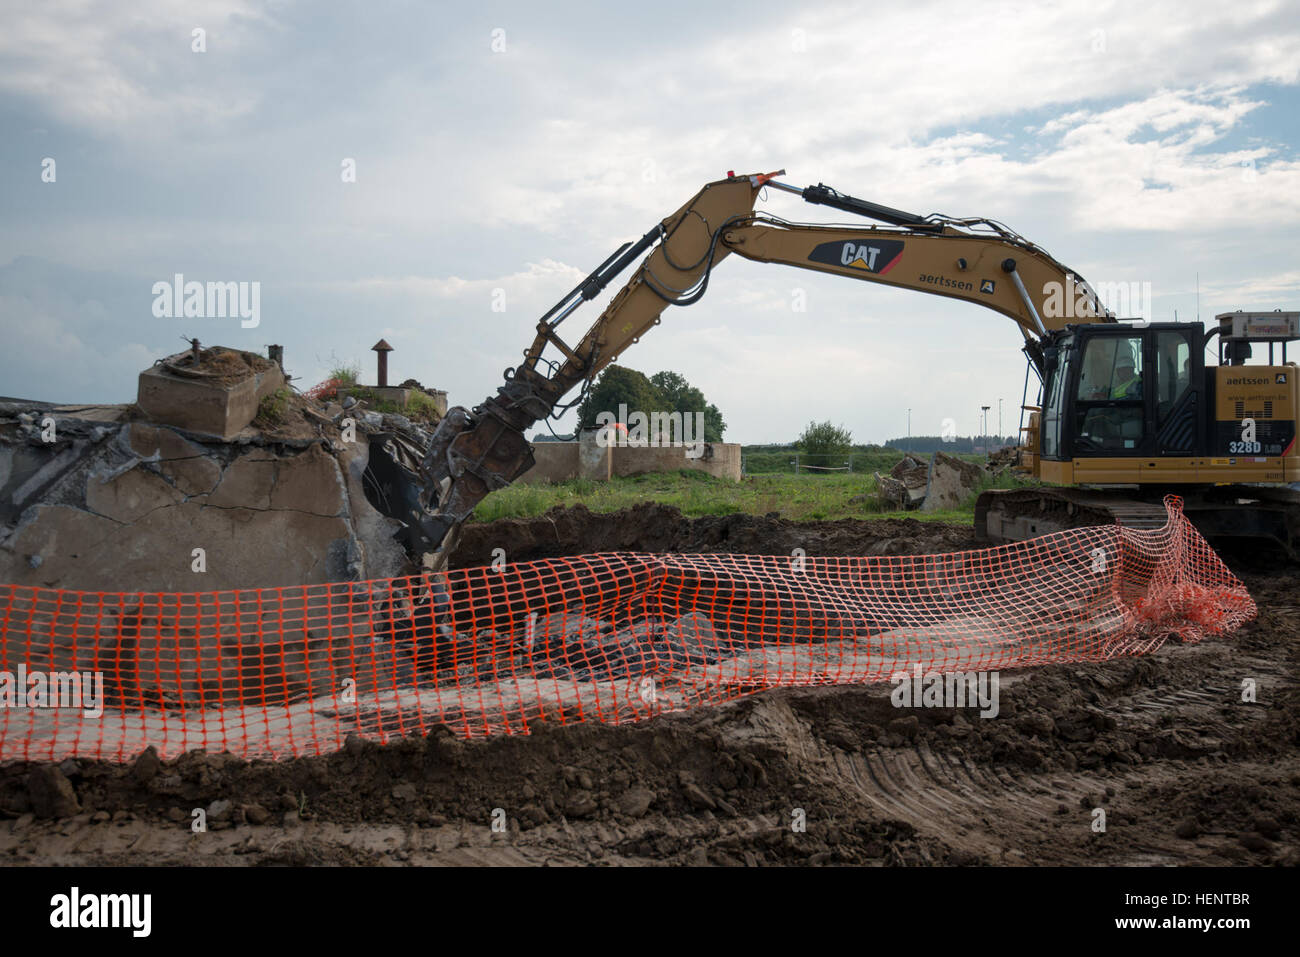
[(1000, 439), (909, 430), (984, 427)]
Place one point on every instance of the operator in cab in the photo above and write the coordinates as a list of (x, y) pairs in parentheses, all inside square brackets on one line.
[(1127, 384)]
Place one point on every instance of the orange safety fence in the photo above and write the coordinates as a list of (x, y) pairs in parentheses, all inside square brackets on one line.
[(616, 637), (324, 390)]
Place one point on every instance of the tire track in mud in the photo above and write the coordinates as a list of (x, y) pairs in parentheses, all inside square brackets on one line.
[(962, 805), (975, 805)]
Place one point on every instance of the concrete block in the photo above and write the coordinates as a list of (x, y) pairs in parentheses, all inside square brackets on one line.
[(205, 405), (952, 482), (391, 393), (402, 396)]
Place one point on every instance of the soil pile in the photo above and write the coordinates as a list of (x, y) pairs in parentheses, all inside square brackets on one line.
[(221, 365), (653, 527)]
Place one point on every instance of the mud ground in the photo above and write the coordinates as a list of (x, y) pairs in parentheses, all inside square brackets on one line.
[(1184, 770)]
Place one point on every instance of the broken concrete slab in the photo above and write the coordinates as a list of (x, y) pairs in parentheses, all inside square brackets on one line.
[(951, 482), (309, 482), (695, 631), (1003, 459), (94, 413), (565, 626), (904, 486), (125, 513), (129, 496), (908, 464), (242, 548), (48, 538), (246, 482), (26, 471), (187, 465)]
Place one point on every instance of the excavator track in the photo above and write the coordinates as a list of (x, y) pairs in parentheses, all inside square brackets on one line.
[(1249, 512), (1013, 515)]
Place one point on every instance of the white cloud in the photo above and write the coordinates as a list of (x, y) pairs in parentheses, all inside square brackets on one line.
[(1120, 137), (119, 68)]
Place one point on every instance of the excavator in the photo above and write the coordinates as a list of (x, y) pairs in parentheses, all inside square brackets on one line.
[(1128, 410)]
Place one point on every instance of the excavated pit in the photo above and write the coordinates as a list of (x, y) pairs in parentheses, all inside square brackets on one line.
[(1184, 769)]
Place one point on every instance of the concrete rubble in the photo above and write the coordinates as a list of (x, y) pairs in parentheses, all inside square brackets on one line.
[(904, 486), (944, 482), (108, 498), (1002, 460), (572, 646), (951, 482), (118, 500)]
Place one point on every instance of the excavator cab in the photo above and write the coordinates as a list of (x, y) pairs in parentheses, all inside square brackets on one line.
[(1132, 411), (1135, 403), (1124, 391)]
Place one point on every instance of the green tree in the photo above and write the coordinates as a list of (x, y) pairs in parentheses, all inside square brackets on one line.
[(714, 425), (661, 392), (825, 444), (680, 396), (619, 385)]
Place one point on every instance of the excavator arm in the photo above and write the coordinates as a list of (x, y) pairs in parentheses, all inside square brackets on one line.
[(474, 452)]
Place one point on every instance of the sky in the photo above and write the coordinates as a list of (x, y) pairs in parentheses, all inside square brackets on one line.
[(502, 150)]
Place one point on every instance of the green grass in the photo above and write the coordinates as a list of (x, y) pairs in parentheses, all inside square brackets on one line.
[(271, 410), (419, 406), (800, 497), (345, 374)]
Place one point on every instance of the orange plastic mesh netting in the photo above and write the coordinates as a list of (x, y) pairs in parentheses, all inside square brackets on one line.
[(615, 637), (324, 390)]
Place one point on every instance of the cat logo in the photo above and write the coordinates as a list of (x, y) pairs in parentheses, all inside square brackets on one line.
[(878, 257), (1281, 378), (986, 285), (864, 257)]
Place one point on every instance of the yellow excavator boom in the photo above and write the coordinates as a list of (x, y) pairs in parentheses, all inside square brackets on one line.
[(975, 260)]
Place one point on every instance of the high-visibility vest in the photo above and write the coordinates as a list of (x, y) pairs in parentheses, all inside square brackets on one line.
[(1121, 391)]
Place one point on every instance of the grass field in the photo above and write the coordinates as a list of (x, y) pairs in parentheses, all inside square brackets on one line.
[(802, 497)]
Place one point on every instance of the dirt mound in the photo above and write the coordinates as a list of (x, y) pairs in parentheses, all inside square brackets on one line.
[(219, 364), (288, 416), (652, 527), (645, 792)]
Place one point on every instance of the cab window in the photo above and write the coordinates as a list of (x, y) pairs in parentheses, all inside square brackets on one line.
[(1052, 405), (1109, 404), (1112, 369), (1173, 372)]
